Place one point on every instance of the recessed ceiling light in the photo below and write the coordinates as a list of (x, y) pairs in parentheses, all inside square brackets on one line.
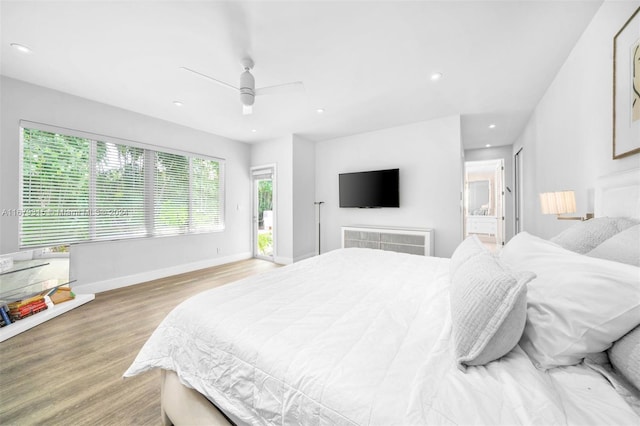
[(492, 126), (253, 130), (320, 110), (436, 76), (178, 103), (21, 48), (488, 145)]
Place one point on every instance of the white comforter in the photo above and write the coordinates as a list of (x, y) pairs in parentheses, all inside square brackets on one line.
[(358, 337)]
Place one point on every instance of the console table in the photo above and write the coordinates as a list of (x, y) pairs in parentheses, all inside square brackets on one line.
[(404, 240), (28, 273)]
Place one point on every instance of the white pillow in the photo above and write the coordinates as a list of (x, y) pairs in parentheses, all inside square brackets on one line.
[(470, 247), (583, 237), (577, 304), (488, 305), (623, 247)]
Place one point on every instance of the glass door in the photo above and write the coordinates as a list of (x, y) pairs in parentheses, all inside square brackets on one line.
[(263, 212)]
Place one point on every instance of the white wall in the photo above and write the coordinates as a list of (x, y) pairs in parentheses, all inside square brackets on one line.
[(304, 211), (428, 155), (567, 143), (279, 152), (505, 153), (294, 157), (128, 261)]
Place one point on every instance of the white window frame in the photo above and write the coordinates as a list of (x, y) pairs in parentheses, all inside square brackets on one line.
[(149, 179)]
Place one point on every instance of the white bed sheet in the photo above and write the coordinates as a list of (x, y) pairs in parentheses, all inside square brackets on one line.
[(359, 337)]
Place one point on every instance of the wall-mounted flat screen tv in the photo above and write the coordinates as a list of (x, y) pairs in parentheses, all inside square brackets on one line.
[(377, 188)]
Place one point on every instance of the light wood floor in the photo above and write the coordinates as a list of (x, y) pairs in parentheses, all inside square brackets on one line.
[(68, 371), (489, 241)]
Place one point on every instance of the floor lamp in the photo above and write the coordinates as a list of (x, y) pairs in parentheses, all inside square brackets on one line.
[(319, 204)]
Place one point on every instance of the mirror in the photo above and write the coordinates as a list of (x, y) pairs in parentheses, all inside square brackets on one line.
[(479, 197)]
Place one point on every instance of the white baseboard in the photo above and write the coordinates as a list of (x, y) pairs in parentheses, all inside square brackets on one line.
[(281, 260), (304, 256), (125, 281)]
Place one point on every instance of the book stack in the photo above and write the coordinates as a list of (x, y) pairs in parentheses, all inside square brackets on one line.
[(20, 309), (24, 308), (61, 294)]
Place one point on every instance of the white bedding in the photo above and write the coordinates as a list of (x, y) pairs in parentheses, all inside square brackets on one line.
[(359, 336)]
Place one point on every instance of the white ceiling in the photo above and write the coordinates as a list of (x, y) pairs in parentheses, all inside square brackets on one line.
[(367, 63)]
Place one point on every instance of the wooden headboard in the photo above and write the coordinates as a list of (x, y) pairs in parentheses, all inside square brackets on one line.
[(618, 194)]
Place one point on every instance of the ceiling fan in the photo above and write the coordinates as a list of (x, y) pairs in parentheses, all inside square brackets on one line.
[(247, 88)]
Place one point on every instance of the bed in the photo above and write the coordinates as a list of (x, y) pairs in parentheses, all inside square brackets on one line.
[(360, 336)]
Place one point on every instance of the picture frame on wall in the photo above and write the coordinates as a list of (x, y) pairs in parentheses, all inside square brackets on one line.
[(626, 88)]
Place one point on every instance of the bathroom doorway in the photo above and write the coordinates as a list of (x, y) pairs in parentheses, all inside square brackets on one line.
[(484, 206)]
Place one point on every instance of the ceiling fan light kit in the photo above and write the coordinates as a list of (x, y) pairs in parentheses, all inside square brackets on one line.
[(247, 87)]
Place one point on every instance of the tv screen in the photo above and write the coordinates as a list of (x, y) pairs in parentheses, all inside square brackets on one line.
[(378, 188)]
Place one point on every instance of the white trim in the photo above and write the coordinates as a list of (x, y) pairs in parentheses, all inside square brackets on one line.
[(111, 139), (281, 260), (305, 256), (125, 281), (149, 185), (254, 210)]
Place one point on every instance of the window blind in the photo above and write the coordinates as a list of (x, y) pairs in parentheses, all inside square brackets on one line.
[(171, 194), (207, 195), (77, 189), (55, 189), (119, 208)]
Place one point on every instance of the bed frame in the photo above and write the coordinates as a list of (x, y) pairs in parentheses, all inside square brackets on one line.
[(180, 405), (616, 195)]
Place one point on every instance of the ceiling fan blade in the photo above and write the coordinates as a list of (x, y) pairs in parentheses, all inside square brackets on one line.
[(247, 109), (220, 82), (296, 86)]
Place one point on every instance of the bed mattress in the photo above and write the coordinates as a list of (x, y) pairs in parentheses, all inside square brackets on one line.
[(358, 337)]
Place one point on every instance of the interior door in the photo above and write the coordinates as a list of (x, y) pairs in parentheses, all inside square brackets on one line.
[(500, 202), (263, 180), (518, 189)]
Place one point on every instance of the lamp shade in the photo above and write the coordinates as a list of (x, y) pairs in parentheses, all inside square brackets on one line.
[(559, 202)]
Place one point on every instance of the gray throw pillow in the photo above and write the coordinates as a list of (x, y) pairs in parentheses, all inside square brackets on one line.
[(488, 305), (585, 236), (624, 355), (623, 247)]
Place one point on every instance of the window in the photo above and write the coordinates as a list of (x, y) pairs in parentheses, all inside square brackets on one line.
[(79, 188), (55, 183), (206, 208), (119, 192), (171, 193)]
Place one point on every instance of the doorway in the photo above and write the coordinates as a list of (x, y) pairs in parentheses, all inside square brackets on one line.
[(484, 204), (263, 180)]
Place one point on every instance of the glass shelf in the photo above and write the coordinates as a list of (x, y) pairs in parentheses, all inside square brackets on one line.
[(27, 273), (30, 276)]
